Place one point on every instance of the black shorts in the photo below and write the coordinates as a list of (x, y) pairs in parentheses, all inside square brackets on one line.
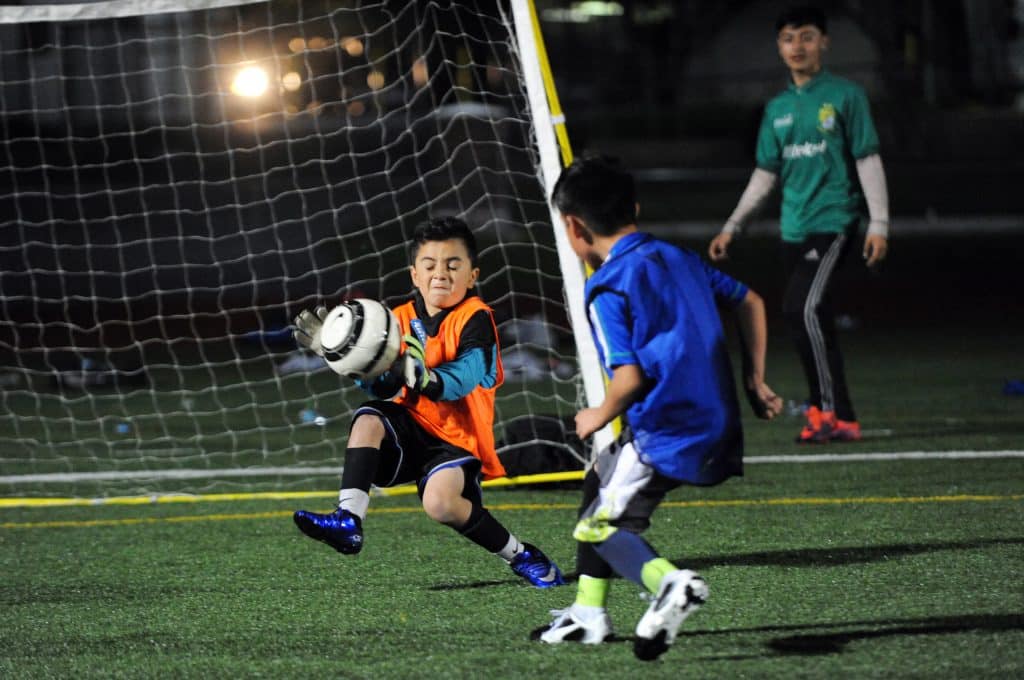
[(411, 454)]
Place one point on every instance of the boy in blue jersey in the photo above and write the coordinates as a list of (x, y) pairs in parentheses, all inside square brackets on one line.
[(653, 315)]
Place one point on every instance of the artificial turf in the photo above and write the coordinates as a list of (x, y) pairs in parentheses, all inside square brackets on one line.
[(898, 568)]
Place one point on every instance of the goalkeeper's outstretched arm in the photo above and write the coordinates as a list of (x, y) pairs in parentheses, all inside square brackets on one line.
[(448, 382), (752, 320)]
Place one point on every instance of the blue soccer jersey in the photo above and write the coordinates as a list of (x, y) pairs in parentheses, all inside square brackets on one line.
[(654, 305)]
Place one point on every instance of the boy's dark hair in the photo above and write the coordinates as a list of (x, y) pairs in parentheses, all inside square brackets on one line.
[(443, 229), (804, 15), (600, 191)]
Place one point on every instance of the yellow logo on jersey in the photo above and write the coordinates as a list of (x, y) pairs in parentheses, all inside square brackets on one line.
[(827, 118)]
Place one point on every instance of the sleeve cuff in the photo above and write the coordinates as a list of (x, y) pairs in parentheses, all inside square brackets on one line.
[(435, 387), (878, 228)]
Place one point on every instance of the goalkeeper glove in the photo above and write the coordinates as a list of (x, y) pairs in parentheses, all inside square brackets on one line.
[(307, 329), (417, 376)]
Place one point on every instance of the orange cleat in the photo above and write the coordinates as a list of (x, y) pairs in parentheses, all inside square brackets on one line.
[(845, 431), (817, 427), (823, 427)]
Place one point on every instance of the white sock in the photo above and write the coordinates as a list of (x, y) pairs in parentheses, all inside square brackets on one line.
[(355, 501), (511, 549)]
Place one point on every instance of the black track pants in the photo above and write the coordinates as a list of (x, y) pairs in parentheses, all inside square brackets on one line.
[(807, 308)]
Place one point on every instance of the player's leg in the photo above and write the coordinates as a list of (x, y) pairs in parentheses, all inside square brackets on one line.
[(374, 455), (630, 492), (626, 496), (443, 498), (452, 495), (800, 263), (586, 619), (808, 312)]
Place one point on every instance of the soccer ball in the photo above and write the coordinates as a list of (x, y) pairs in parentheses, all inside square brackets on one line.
[(360, 339)]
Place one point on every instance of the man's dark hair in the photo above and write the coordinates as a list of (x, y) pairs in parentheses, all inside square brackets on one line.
[(443, 229), (805, 15), (598, 190)]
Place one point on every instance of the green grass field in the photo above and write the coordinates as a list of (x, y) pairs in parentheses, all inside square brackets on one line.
[(881, 568), (893, 569)]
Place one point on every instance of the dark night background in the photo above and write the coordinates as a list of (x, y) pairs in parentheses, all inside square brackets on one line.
[(673, 88)]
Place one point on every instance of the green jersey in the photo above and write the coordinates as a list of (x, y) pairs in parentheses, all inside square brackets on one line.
[(810, 137)]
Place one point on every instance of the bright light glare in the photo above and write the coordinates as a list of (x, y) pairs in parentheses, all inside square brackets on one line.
[(291, 81), (420, 72), (251, 81), (354, 46), (375, 80), (582, 12), (596, 8)]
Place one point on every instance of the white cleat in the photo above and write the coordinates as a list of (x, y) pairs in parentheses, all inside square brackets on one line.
[(569, 626), (681, 593)]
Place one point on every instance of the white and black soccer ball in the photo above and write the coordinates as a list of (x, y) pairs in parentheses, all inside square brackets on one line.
[(360, 338)]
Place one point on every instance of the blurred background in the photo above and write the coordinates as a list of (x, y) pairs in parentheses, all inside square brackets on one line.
[(175, 186), (674, 88), (677, 89)]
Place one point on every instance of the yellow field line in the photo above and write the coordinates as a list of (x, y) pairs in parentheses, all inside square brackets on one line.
[(739, 503), (151, 499)]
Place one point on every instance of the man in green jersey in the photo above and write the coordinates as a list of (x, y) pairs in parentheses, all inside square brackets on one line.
[(818, 140)]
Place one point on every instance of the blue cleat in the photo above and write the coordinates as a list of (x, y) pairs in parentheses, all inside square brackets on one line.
[(340, 529), (535, 567)]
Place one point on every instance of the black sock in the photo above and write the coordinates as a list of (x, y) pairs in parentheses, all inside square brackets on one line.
[(360, 468), (485, 531)]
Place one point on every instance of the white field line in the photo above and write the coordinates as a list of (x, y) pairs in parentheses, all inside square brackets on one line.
[(65, 477), (863, 457)]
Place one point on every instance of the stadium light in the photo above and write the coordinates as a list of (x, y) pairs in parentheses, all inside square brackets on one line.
[(354, 46), (251, 81), (420, 72), (375, 80), (582, 12)]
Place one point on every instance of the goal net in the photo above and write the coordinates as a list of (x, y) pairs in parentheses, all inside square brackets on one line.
[(180, 179)]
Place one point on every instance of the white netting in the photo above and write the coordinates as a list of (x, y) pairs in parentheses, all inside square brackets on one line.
[(160, 227)]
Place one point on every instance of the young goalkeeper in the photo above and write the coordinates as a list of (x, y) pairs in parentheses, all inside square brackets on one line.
[(653, 316), (432, 422)]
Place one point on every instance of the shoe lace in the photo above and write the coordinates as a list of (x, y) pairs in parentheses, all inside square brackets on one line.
[(557, 615)]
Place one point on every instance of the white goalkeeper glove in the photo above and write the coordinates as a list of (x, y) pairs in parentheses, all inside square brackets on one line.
[(307, 329), (417, 376)]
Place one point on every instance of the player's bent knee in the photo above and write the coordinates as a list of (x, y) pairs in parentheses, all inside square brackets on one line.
[(445, 508), (438, 508), (367, 430)]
